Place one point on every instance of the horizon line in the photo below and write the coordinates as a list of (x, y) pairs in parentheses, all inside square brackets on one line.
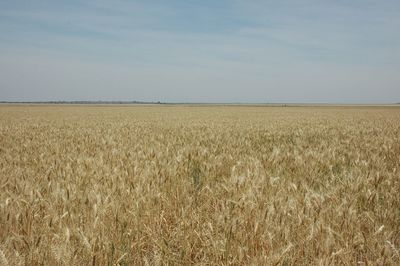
[(133, 102)]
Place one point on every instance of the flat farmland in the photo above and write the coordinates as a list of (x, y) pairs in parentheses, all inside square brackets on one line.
[(205, 185)]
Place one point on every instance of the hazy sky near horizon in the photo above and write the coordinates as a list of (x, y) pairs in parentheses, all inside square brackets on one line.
[(201, 51)]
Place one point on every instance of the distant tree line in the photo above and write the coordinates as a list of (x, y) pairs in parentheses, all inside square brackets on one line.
[(82, 102)]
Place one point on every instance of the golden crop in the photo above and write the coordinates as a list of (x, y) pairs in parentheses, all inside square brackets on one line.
[(207, 185)]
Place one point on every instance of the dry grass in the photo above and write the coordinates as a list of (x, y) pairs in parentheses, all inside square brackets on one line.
[(177, 185)]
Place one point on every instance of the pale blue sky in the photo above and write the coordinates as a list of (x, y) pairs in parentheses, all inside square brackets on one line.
[(201, 51)]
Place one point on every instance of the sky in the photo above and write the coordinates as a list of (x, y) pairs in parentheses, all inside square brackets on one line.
[(237, 51)]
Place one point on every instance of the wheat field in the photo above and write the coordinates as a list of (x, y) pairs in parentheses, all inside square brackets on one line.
[(203, 185)]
